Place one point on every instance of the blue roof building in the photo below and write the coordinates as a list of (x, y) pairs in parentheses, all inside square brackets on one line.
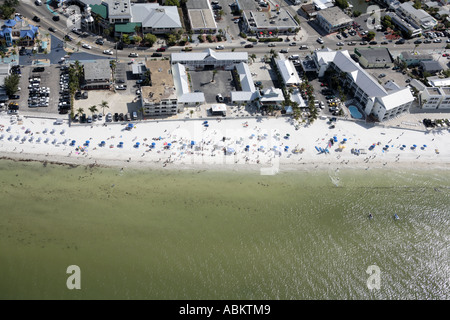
[(17, 31)]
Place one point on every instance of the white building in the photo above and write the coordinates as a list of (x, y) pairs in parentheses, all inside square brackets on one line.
[(419, 17), (184, 95), (248, 92), (209, 59), (439, 82), (271, 97), (156, 19), (373, 97), (288, 73), (435, 98)]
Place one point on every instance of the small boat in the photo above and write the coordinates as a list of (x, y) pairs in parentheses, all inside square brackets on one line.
[(396, 217)]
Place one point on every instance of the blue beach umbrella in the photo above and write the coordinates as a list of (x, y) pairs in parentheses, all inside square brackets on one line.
[(404, 146), (424, 145), (415, 146), (73, 143), (192, 143)]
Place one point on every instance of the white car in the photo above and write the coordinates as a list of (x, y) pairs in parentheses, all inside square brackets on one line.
[(86, 46), (120, 87), (108, 51), (319, 40), (133, 55), (220, 47)]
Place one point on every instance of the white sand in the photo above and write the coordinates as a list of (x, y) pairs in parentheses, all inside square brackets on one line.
[(208, 150)]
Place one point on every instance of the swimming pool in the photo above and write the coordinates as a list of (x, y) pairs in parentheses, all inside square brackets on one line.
[(355, 112)]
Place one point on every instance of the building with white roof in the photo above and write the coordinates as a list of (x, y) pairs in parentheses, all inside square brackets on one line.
[(201, 16), (209, 59), (419, 17), (435, 98), (184, 95), (438, 82), (271, 97), (155, 18), (373, 97), (248, 91), (288, 73)]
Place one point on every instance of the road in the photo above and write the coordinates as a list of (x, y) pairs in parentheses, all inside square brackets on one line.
[(307, 36)]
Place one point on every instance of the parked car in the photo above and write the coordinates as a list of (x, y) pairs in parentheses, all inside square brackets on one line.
[(99, 41), (121, 87), (116, 117), (319, 40), (156, 54), (219, 98), (248, 45), (134, 115), (133, 55), (220, 47), (36, 19), (108, 117), (382, 75)]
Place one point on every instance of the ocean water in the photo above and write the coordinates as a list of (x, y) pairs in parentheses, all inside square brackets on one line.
[(141, 234)]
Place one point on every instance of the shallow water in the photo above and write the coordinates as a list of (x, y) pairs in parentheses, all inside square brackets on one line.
[(222, 235)]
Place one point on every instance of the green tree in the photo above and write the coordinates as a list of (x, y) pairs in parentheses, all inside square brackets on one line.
[(343, 4), (126, 39), (171, 39), (137, 39), (80, 111), (150, 39), (12, 84), (370, 35), (104, 105), (93, 109), (172, 3)]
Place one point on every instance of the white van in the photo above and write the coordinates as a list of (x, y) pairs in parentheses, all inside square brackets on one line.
[(294, 57)]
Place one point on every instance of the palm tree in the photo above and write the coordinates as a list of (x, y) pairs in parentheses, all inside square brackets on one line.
[(93, 109), (253, 57), (80, 111), (104, 105), (214, 74)]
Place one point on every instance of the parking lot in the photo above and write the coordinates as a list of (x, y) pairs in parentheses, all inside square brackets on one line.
[(37, 89), (263, 73), (223, 84)]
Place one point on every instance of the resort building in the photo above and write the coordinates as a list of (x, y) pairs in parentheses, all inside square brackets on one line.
[(271, 97), (159, 99), (5, 69), (418, 17), (374, 57), (372, 97), (332, 19), (413, 58), (435, 98), (156, 19), (17, 31), (438, 82), (411, 29), (247, 91), (209, 59), (183, 88), (201, 17), (97, 74), (288, 73)]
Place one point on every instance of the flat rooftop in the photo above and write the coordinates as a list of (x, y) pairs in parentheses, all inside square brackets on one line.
[(162, 82), (197, 4), (335, 16), (201, 19), (262, 19), (118, 8), (374, 55)]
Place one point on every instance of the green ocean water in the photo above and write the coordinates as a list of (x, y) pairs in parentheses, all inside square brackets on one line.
[(139, 234)]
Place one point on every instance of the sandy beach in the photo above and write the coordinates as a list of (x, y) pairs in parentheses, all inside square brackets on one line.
[(266, 145)]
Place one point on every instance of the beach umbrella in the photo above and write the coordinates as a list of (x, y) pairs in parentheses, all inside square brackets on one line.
[(404, 146), (137, 144), (102, 143), (71, 143), (38, 140), (414, 146), (55, 141), (24, 139), (2, 136), (424, 145), (18, 137), (31, 139), (45, 130), (63, 131), (386, 146), (169, 144), (192, 143), (87, 143), (9, 129), (120, 144)]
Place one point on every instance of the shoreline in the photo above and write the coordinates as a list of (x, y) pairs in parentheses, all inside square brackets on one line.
[(244, 168), (267, 146)]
